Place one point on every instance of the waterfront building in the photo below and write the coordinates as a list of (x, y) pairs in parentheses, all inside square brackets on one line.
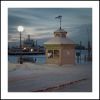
[(60, 49)]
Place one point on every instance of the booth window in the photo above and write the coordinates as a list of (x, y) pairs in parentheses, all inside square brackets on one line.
[(56, 53), (50, 53)]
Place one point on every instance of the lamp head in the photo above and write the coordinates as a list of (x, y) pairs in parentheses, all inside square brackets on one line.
[(20, 28)]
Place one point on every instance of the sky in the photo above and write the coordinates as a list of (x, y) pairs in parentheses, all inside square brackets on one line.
[(41, 23)]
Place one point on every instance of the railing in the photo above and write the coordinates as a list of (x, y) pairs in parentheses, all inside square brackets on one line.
[(26, 53)]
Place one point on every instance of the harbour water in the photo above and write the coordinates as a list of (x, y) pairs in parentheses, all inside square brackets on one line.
[(39, 58), (42, 58)]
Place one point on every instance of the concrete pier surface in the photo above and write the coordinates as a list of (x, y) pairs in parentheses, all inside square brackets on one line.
[(28, 77)]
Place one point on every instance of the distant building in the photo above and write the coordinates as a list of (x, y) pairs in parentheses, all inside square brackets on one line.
[(60, 49), (29, 45), (28, 42)]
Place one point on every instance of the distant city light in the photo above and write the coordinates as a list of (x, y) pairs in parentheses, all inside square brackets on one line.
[(31, 50), (24, 48)]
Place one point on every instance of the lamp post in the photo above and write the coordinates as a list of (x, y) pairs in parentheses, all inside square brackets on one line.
[(20, 29)]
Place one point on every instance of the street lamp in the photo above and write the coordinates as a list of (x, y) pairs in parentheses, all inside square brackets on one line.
[(20, 29)]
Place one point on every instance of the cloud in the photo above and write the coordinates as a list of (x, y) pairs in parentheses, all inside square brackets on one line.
[(41, 22)]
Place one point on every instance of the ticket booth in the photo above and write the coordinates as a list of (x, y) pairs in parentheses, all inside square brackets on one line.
[(60, 49)]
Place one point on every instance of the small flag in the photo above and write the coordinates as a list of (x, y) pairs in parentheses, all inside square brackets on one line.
[(59, 17)]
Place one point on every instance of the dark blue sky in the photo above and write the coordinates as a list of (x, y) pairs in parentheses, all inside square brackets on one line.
[(40, 23)]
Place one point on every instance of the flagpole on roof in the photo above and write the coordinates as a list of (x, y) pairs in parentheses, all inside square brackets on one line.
[(60, 23), (59, 17)]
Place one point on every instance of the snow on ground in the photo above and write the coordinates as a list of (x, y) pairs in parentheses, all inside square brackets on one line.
[(32, 77)]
